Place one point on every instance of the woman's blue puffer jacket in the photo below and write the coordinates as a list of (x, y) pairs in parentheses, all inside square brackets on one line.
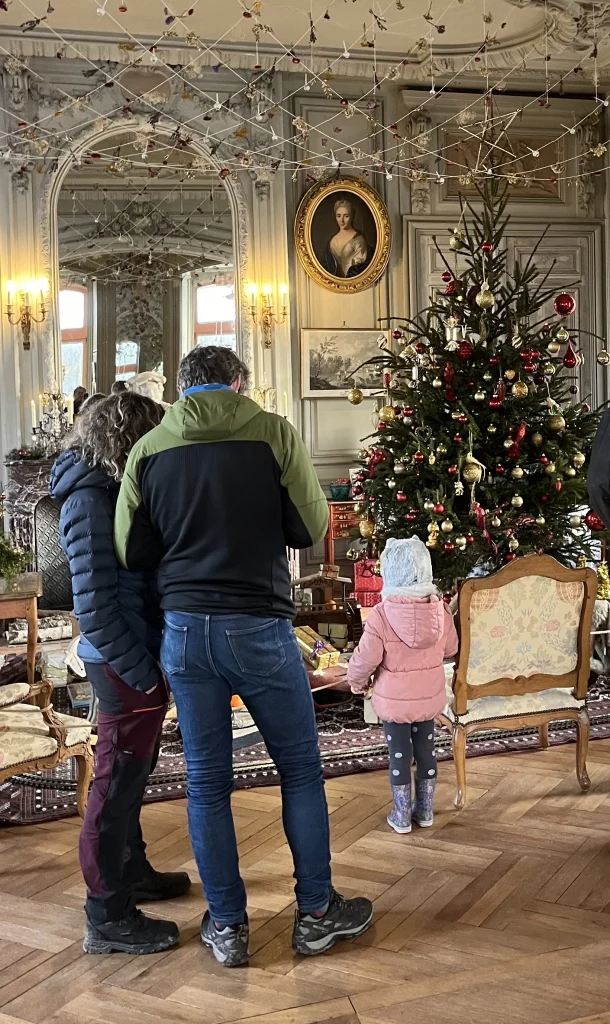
[(117, 611)]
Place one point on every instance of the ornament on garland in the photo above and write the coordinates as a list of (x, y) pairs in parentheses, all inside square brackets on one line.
[(593, 521), (519, 389), (564, 304), (387, 414), (485, 298), (355, 396), (603, 357), (570, 360)]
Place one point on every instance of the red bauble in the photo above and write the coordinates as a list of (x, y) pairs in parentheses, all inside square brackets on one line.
[(544, 498), (586, 407), (558, 485), (543, 459), (446, 276), (447, 598), (593, 521), (407, 412), (449, 547), (495, 402), (452, 470), (547, 329), (535, 355), (499, 470), (465, 351), (387, 377), (420, 348), (401, 496), (529, 367), (357, 489), (439, 509), (510, 556), (463, 418), (397, 335), (360, 477), (539, 378), (486, 247), (494, 361), (457, 439), (469, 538), (564, 304), (381, 426), (574, 389), (411, 516), (451, 288), (525, 355), (570, 360), (418, 457)]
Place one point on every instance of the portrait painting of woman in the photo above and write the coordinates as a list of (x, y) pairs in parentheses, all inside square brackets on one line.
[(342, 235)]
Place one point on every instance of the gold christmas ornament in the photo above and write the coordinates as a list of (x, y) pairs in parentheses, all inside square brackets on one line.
[(496, 522), (510, 374), (455, 415), (537, 439), (508, 443), (358, 507), (447, 526), (513, 543), (431, 459), (364, 454), (433, 527), (553, 348), (457, 240), (399, 468), (575, 521), (578, 460), (603, 357), (367, 528), (516, 501), (441, 449), (428, 505), (555, 422), (570, 471), (432, 541), (391, 483), (472, 470), (352, 555), (460, 543), (519, 389), (479, 396), (485, 299), (355, 396), (516, 473), (550, 469), (562, 334), (540, 520), (437, 382), (387, 414), (492, 428)]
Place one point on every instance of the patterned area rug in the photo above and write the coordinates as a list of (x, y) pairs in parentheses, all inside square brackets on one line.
[(348, 745)]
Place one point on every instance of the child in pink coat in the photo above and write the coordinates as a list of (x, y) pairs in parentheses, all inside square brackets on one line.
[(405, 640)]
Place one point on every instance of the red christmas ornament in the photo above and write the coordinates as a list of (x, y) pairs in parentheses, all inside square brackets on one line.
[(574, 389), (360, 477), (446, 276), (501, 390), (486, 247), (420, 348), (526, 355), (418, 457), (447, 598), (465, 351), (457, 439), (439, 509), (558, 485), (387, 377), (586, 407), (564, 304), (539, 378), (535, 356), (570, 360), (463, 418), (494, 361), (449, 547), (510, 556), (381, 426), (411, 516), (593, 521), (495, 402), (529, 367), (396, 335), (499, 470), (546, 329), (469, 538), (407, 412), (449, 373), (357, 489), (544, 498), (543, 459), (452, 470), (401, 496)]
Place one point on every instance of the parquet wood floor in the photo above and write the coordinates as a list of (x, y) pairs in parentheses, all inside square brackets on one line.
[(499, 913)]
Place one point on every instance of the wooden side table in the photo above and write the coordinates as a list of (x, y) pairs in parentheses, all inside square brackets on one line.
[(341, 521), (21, 601)]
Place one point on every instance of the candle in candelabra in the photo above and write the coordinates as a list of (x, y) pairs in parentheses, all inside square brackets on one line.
[(70, 409), (285, 405), (34, 420), (40, 408), (284, 297)]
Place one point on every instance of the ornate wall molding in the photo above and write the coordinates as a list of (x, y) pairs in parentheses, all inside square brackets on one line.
[(48, 199)]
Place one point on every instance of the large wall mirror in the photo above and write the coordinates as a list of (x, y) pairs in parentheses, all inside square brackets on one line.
[(146, 260)]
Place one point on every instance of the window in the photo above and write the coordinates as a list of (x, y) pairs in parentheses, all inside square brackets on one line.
[(127, 353), (73, 327), (215, 315)]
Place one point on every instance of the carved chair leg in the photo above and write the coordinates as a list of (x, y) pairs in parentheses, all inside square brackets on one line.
[(84, 764), (582, 745), (459, 757), (543, 736)]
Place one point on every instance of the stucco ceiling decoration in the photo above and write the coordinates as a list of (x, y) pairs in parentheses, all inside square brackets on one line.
[(519, 34)]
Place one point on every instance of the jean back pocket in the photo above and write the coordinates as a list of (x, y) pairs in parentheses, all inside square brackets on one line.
[(258, 650), (173, 648)]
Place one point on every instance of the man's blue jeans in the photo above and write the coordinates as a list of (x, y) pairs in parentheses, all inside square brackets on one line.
[(207, 659)]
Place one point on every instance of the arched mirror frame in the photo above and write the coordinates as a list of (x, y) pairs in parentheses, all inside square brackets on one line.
[(85, 141)]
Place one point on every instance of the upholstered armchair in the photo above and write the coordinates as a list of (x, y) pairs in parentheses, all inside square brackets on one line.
[(33, 737), (524, 655)]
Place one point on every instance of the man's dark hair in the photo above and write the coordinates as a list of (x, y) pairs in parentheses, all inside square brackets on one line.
[(211, 364), (118, 387)]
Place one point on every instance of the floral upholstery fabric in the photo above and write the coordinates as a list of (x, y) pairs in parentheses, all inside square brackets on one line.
[(486, 708), (24, 735), (524, 627), (13, 694)]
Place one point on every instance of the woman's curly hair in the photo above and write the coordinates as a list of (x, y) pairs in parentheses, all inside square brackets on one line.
[(107, 431)]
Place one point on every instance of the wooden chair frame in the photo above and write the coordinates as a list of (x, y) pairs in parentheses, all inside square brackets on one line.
[(578, 679)]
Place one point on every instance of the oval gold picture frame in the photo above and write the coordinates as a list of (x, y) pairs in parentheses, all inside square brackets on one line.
[(303, 226)]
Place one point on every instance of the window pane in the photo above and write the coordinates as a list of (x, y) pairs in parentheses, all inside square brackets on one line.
[(71, 310), (227, 340), (126, 359), (73, 368), (215, 303)]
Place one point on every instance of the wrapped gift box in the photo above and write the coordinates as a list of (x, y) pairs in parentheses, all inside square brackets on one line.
[(316, 651)]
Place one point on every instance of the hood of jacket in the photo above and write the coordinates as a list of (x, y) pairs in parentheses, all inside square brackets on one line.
[(70, 473), (418, 623), (210, 415)]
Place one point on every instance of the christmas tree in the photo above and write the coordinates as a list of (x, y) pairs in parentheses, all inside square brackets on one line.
[(482, 447)]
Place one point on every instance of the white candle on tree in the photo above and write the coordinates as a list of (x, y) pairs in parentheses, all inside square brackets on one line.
[(34, 420)]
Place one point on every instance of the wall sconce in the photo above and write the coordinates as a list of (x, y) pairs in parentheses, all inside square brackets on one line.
[(267, 318), (21, 312)]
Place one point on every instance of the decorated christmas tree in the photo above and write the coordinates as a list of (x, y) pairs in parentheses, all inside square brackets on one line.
[(482, 444)]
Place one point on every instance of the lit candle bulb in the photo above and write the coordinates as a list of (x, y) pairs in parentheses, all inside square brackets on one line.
[(33, 409), (40, 408), (70, 409), (267, 294), (284, 295)]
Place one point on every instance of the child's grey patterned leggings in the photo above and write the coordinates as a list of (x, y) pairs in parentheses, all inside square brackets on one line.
[(408, 742)]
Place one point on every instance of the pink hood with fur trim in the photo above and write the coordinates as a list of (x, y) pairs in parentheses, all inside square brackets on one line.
[(403, 647)]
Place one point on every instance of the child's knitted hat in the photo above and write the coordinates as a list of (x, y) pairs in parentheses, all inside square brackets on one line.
[(406, 568)]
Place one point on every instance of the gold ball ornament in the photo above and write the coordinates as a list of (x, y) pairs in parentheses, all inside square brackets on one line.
[(575, 521), (358, 507), (437, 382), (510, 374), (603, 357), (391, 483), (496, 522), (460, 543), (472, 471), (519, 389), (367, 528), (508, 443), (516, 473), (555, 422), (387, 414), (553, 348), (570, 471), (433, 527), (441, 449), (548, 370), (355, 396), (537, 439), (516, 501), (513, 543), (457, 240), (485, 299), (550, 469), (399, 468), (447, 526), (492, 428), (479, 396), (428, 505), (578, 460), (540, 521)]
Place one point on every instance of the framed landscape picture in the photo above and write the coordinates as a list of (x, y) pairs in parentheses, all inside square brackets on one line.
[(330, 357)]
